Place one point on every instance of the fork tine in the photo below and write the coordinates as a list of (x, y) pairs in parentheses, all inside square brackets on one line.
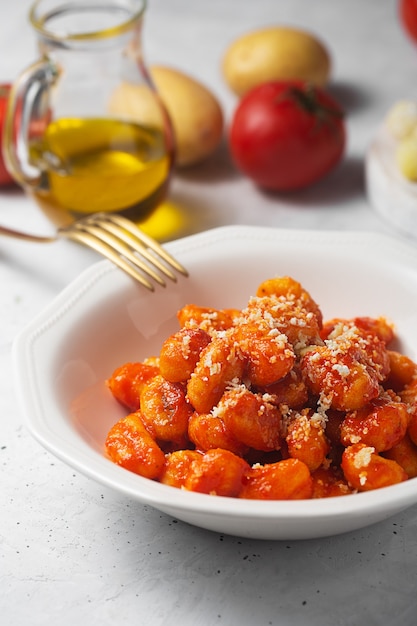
[(104, 249), (146, 243), (95, 228), (113, 229)]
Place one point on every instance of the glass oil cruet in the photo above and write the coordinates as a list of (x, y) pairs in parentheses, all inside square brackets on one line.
[(72, 139)]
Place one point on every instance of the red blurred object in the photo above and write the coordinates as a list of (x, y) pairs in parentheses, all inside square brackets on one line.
[(408, 16), (5, 177)]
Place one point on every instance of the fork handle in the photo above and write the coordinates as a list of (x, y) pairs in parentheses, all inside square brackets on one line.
[(18, 234)]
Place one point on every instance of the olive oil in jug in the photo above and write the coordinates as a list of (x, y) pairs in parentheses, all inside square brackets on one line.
[(94, 165)]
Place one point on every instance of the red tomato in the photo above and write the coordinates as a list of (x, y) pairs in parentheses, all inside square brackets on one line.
[(287, 135), (5, 177), (408, 16)]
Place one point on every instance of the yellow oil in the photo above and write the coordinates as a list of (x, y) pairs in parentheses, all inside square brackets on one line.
[(93, 165)]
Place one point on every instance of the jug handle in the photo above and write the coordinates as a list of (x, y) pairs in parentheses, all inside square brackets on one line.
[(23, 98)]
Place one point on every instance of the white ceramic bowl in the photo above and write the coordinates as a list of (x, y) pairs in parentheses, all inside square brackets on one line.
[(103, 319)]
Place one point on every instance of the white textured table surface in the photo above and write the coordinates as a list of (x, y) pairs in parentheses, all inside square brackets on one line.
[(72, 552)]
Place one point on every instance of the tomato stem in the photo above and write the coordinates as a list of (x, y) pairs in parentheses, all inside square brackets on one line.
[(308, 101)]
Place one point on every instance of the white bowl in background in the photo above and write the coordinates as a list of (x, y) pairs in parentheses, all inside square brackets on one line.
[(390, 194)]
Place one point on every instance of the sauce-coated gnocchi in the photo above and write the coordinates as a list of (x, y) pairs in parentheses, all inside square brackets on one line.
[(269, 402)]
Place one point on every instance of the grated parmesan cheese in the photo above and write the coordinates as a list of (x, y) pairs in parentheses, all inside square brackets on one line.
[(363, 457), (341, 369)]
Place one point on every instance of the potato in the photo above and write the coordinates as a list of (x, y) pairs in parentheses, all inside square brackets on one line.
[(275, 53), (196, 114)]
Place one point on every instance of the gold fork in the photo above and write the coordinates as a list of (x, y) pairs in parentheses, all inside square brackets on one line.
[(119, 240)]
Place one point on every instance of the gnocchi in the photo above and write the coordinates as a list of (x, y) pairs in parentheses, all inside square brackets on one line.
[(269, 402)]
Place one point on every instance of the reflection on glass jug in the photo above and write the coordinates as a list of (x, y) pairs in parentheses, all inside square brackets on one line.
[(64, 141)]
